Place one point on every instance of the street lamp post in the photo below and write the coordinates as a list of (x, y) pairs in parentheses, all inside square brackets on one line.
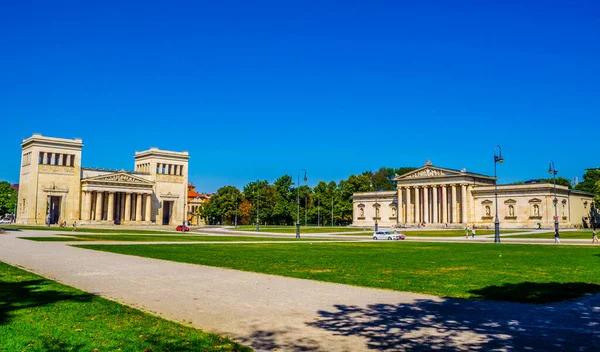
[(298, 200), (376, 207), (553, 171), (497, 159), (318, 212)]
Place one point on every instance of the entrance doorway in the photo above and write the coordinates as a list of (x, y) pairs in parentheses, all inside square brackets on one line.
[(54, 209), (167, 212)]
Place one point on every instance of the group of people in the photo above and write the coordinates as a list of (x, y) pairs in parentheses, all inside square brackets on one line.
[(470, 231), (64, 224)]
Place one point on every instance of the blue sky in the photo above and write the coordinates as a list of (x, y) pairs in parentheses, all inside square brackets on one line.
[(255, 90)]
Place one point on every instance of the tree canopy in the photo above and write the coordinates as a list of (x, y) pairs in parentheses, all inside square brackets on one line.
[(8, 198), (283, 202)]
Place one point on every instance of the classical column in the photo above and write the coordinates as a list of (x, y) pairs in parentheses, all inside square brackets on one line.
[(148, 207), (444, 205), (138, 207), (118, 207), (400, 210), (417, 205), (426, 204), (99, 202), (111, 207), (463, 203), (434, 217), (127, 206), (453, 205), (408, 207)]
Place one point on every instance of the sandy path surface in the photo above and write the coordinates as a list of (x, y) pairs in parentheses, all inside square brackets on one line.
[(276, 313)]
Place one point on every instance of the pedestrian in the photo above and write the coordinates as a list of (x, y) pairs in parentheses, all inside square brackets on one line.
[(556, 236), (74, 226), (473, 232), (594, 236)]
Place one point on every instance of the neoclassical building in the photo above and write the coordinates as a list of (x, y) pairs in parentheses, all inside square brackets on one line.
[(55, 187), (441, 197)]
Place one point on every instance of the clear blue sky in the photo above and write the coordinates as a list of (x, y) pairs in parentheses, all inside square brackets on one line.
[(258, 89)]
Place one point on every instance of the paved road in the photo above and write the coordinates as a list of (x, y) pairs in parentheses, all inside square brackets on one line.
[(277, 313)]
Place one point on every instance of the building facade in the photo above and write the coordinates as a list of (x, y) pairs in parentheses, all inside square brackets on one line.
[(441, 197), (195, 201), (55, 188)]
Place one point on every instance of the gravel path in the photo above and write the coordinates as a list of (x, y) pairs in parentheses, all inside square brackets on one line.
[(277, 313)]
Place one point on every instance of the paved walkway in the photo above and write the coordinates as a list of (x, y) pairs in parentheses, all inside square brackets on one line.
[(277, 313)]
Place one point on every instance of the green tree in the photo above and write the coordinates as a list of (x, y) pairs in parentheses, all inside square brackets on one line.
[(8, 198), (404, 170), (347, 188), (597, 197), (284, 201), (222, 205), (559, 181), (256, 193), (590, 179)]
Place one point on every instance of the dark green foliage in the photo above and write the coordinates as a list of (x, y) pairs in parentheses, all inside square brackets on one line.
[(8, 198), (590, 181), (286, 200)]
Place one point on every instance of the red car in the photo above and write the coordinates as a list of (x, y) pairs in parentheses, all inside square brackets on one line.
[(185, 228)]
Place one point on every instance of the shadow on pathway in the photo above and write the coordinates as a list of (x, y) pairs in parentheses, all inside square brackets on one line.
[(450, 324)]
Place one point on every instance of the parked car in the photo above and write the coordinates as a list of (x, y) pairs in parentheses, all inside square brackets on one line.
[(387, 235), (5, 221), (180, 227)]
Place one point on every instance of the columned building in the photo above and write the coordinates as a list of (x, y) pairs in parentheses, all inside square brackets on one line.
[(54, 187), (441, 197)]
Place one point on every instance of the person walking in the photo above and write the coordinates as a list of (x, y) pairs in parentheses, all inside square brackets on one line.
[(594, 236), (473, 232), (556, 237), (467, 230), (74, 226)]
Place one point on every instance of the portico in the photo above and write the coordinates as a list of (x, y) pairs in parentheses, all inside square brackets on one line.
[(117, 198)]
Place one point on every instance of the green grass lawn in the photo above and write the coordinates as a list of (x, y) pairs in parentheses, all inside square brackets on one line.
[(521, 273), (83, 229), (159, 238), (581, 234), (303, 229), (37, 314)]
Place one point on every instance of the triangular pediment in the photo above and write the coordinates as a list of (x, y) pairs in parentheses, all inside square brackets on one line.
[(428, 171), (119, 178)]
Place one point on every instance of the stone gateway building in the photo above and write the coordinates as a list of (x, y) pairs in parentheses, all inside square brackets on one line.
[(440, 197), (55, 188)]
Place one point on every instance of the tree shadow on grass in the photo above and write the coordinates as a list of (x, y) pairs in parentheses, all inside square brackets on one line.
[(479, 325), (533, 292), (30, 294)]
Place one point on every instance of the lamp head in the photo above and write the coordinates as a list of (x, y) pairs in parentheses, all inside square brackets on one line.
[(500, 159)]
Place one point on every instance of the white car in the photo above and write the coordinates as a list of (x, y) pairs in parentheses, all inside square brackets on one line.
[(386, 235), (5, 221)]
